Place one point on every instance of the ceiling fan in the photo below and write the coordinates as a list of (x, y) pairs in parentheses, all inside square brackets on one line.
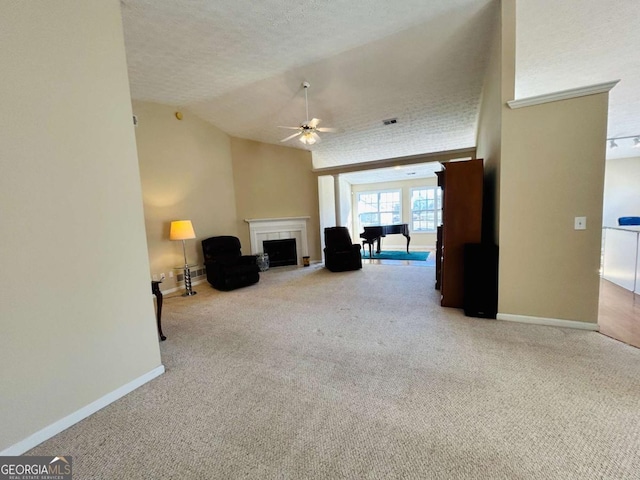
[(308, 131)]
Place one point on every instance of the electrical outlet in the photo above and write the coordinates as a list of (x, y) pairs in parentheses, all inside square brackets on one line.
[(580, 223), (170, 274), (162, 277), (155, 278)]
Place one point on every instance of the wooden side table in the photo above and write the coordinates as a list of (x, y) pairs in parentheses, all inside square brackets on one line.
[(155, 289)]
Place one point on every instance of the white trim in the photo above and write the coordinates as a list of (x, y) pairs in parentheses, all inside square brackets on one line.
[(378, 192), (563, 95), (278, 219), (261, 229), (438, 201), (181, 286), (549, 322), (47, 432)]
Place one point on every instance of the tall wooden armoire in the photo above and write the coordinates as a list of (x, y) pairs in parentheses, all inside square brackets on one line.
[(461, 184)]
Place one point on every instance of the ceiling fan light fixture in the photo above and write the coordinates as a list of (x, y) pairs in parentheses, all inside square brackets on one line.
[(308, 138), (307, 130)]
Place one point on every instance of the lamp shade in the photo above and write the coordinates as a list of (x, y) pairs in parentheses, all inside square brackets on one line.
[(181, 230)]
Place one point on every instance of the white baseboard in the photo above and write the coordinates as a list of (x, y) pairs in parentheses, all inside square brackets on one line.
[(73, 418), (181, 287), (549, 322)]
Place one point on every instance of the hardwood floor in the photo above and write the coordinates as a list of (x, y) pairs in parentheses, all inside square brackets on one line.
[(619, 313)]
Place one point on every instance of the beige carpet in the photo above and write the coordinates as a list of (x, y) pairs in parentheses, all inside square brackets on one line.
[(361, 375)]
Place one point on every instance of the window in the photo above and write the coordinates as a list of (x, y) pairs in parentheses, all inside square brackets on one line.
[(379, 208), (426, 209)]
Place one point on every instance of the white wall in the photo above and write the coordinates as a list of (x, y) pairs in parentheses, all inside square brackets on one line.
[(621, 190), (76, 312), (346, 205), (326, 195)]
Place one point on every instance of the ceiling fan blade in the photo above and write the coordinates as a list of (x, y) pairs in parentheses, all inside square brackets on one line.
[(326, 129), (290, 128), (314, 122), (291, 136)]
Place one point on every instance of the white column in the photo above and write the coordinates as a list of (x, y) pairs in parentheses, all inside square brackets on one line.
[(336, 193)]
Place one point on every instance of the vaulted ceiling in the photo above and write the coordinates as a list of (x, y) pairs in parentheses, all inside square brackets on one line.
[(240, 65)]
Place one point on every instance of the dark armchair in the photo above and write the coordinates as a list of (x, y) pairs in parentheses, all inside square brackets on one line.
[(227, 268), (340, 253)]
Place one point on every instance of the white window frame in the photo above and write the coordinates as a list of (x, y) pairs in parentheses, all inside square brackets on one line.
[(437, 210), (378, 193)]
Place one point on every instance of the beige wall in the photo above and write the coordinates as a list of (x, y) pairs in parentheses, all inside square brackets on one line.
[(419, 240), (187, 174), (273, 181), (489, 133), (621, 190), (77, 317), (543, 166), (552, 171)]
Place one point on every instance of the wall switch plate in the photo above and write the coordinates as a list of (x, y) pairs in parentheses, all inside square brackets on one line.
[(155, 278), (170, 274), (580, 223)]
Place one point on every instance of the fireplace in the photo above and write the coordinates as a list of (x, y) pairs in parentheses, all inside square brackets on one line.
[(281, 252), (286, 228)]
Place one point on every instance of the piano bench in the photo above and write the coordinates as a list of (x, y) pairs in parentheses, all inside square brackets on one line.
[(371, 243)]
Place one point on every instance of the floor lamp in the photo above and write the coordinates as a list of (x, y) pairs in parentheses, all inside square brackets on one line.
[(183, 230)]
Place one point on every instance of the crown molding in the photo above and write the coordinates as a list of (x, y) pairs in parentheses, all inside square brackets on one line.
[(563, 95)]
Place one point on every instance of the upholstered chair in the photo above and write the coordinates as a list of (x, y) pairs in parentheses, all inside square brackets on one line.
[(227, 268), (340, 253)]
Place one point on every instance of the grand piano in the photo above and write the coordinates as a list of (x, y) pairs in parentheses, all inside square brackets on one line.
[(375, 234)]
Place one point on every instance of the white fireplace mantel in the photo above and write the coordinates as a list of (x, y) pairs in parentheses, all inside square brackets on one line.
[(261, 229)]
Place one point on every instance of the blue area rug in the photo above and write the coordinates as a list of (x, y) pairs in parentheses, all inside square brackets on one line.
[(397, 255)]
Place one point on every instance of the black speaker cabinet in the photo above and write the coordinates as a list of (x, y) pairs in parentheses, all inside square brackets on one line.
[(480, 280)]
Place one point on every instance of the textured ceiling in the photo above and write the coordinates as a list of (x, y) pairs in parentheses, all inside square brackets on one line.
[(240, 66), (575, 43)]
